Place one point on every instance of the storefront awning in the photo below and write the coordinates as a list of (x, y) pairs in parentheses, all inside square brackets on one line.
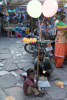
[(21, 2)]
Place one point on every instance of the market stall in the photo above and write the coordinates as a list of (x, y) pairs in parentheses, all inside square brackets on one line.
[(18, 22), (15, 13), (19, 31)]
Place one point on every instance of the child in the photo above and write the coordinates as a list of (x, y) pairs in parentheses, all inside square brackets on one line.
[(44, 65), (49, 28), (29, 86), (49, 50)]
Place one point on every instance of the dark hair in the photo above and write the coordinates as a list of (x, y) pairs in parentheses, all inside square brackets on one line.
[(49, 22), (62, 17), (41, 52), (15, 18), (29, 71)]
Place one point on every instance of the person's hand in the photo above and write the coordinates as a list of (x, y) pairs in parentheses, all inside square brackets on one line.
[(48, 71), (37, 86), (44, 71), (37, 79)]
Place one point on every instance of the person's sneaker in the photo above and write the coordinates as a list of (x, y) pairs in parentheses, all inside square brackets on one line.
[(40, 95)]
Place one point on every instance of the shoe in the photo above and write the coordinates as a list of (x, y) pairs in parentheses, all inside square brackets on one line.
[(42, 92), (62, 67), (40, 95)]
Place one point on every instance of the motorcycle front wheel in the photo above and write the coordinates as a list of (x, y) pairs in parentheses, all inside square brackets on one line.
[(29, 48)]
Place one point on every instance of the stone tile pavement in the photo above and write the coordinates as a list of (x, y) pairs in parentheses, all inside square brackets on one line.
[(9, 50)]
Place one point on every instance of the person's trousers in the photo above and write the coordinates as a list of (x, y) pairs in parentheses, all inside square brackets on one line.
[(31, 90), (66, 48), (60, 52), (58, 61)]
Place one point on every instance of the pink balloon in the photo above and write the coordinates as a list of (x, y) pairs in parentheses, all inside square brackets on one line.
[(50, 8)]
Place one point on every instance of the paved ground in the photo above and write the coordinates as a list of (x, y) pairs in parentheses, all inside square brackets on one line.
[(9, 50)]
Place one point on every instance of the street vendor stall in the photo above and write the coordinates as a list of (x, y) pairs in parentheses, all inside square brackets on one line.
[(19, 31), (18, 22)]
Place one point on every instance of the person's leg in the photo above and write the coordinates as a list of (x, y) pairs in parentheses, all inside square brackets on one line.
[(66, 48), (31, 89), (39, 89), (60, 51), (55, 59), (59, 61)]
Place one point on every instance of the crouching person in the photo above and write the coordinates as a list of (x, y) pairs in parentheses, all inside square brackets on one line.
[(44, 65), (29, 86)]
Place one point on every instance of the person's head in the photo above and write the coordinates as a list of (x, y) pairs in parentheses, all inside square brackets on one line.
[(45, 24), (41, 55), (63, 18), (48, 22), (55, 18), (30, 73), (15, 18), (40, 23)]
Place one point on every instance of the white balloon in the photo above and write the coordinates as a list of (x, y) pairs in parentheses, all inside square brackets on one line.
[(34, 8)]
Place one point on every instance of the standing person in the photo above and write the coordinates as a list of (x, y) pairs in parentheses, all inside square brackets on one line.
[(55, 21), (52, 23), (29, 86), (61, 42), (19, 18), (15, 21), (22, 17), (49, 28), (42, 28)]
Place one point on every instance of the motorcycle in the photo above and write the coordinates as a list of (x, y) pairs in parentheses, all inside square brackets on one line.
[(32, 48)]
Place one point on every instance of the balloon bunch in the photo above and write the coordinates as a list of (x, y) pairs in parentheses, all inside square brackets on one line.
[(35, 8), (28, 41), (59, 83)]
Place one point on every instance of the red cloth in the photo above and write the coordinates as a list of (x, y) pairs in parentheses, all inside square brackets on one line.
[(60, 49), (60, 52), (27, 82), (58, 61), (66, 48), (19, 35)]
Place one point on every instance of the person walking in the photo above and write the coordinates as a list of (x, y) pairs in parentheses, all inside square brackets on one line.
[(60, 42)]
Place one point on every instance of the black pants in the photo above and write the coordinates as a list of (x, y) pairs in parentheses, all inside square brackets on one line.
[(47, 66)]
